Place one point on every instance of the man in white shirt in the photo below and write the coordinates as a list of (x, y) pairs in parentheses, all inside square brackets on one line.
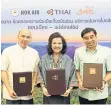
[(19, 58)]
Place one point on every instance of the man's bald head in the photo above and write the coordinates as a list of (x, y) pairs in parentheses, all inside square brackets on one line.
[(24, 31), (24, 37)]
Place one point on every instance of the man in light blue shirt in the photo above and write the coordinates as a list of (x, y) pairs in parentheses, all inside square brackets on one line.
[(92, 53)]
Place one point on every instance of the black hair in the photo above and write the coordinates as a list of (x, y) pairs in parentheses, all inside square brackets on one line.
[(56, 35), (87, 30)]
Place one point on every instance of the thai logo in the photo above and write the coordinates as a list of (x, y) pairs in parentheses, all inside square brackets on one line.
[(58, 12), (55, 77), (50, 11)]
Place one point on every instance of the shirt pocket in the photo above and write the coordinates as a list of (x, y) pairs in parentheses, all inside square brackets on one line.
[(100, 60)]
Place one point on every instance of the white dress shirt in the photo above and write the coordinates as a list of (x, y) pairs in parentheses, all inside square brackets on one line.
[(17, 59)]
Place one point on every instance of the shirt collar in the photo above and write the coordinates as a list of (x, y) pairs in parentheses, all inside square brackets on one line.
[(97, 48), (21, 47)]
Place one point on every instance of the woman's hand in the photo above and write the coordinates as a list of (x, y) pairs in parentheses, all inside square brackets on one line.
[(66, 94), (45, 91)]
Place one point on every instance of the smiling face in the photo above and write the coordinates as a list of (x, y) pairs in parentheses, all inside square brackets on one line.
[(57, 45), (90, 39), (24, 38)]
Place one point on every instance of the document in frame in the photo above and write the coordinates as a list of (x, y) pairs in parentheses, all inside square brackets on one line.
[(92, 75), (22, 83), (55, 79)]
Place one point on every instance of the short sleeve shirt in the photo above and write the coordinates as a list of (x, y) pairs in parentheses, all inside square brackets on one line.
[(17, 59), (102, 55)]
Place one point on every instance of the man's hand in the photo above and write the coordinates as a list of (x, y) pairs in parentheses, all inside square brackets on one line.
[(80, 82), (32, 91), (102, 88), (81, 86), (12, 93)]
